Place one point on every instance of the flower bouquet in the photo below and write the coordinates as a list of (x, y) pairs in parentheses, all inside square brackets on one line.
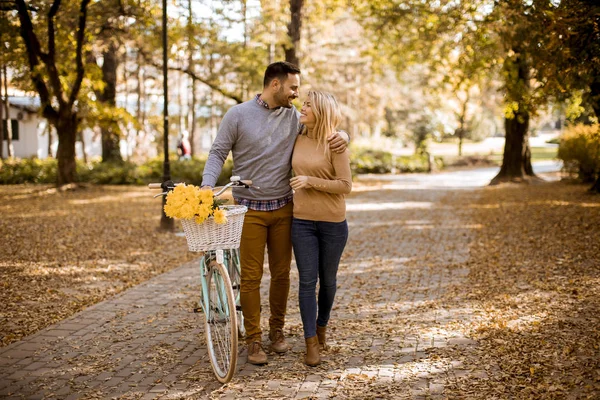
[(191, 202), (207, 223)]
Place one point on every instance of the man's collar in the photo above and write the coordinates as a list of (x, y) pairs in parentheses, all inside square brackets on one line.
[(264, 103)]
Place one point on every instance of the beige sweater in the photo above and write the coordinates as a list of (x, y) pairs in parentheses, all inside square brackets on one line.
[(330, 179)]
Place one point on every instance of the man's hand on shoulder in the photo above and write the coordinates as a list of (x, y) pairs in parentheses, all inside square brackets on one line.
[(338, 142)]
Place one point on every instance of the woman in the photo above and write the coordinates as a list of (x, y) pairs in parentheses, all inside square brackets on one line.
[(319, 228)]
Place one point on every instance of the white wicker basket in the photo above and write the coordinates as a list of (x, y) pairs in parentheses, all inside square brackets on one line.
[(212, 236)]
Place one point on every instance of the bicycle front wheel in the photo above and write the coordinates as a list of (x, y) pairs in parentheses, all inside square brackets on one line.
[(221, 323), (235, 274)]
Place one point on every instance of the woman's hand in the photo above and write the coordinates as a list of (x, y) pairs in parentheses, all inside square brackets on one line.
[(299, 182)]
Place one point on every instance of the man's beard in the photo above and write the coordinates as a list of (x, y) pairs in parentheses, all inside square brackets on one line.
[(282, 100)]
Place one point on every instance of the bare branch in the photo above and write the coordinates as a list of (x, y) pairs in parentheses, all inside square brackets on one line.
[(195, 77), (79, 51), (50, 58), (211, 85), (34, 53)]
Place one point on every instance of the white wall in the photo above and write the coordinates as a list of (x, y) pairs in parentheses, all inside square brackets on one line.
[(33, 138), (27, 145)]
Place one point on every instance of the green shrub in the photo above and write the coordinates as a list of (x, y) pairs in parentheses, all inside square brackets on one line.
[(28, 170), (33, 170), (579, 149), (109, 173), (369, 161)]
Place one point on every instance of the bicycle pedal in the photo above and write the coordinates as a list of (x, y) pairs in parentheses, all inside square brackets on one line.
[(235, 286), (197, 309)]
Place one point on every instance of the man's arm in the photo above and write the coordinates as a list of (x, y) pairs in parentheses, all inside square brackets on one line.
[(338, 142), (226, 137)]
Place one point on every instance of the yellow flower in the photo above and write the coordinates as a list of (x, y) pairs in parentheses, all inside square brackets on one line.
[(220, 217), (191, 202), (203, 211), (206, 196)]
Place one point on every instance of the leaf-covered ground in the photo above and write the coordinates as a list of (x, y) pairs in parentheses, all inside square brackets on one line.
[(478, 294), (535, 279), (64, 250)]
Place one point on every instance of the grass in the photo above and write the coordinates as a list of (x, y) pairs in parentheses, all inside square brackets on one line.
[(537, 154)]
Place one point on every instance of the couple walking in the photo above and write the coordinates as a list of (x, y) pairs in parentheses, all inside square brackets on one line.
[(268, 138)]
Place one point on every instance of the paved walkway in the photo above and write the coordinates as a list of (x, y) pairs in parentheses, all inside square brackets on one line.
[(407, 244)]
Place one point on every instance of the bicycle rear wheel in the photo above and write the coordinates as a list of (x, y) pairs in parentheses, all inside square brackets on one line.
[(221, 323)]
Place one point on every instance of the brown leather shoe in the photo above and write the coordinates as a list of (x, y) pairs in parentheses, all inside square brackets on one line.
[(278, 343), (312, 357), (322, 335), (256, 354)]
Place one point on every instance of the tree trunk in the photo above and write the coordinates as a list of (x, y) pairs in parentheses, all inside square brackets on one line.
[(191, 121), (139, 95), (49, 129), (294, 31), (8, 133), (596, 186), (66, 127), (64, 118), (515, 150), (595, 101), (528, 168), (461, 128), (111, 151), (595, 95), (1, 121), (81, 138)]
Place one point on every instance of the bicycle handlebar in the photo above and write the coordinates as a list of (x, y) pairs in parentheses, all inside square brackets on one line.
[(170, 185)]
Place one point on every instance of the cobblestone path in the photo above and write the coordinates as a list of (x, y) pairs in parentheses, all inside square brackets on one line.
[(406, 246)]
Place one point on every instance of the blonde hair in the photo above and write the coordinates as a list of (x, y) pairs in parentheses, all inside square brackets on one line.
[(327, 115)]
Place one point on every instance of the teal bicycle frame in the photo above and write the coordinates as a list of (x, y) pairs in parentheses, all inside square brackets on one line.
[(230, 259)]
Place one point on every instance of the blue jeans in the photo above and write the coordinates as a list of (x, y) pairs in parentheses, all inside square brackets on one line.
[(318, 247)]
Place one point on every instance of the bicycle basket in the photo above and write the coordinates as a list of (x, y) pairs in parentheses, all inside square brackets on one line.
[(212, 236)]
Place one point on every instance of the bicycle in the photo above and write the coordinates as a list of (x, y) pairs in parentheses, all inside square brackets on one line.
[(220, 278)]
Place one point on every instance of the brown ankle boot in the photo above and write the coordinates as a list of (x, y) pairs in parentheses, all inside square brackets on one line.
[(312, 357), (322, 334), (278, 342), (256, 354)]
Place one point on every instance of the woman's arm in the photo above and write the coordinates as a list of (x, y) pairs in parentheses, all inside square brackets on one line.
[(341, 184)]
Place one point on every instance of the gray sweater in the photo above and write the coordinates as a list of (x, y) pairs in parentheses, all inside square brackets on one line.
[(262, 141)]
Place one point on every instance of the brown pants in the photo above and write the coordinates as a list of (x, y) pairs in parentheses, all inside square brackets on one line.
[(273, 229)]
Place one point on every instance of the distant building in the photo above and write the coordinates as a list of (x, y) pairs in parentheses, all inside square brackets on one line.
[(30, 132), (26, 127)]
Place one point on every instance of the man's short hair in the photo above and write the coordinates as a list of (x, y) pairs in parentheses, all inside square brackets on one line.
[(279, 70)]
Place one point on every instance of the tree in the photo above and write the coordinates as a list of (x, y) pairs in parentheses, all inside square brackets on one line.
[(512, 23), (107, 97), (428, 31), (567, 59), (57, 87)]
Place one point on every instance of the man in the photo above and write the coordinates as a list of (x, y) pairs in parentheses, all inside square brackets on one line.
[(261, 135)]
